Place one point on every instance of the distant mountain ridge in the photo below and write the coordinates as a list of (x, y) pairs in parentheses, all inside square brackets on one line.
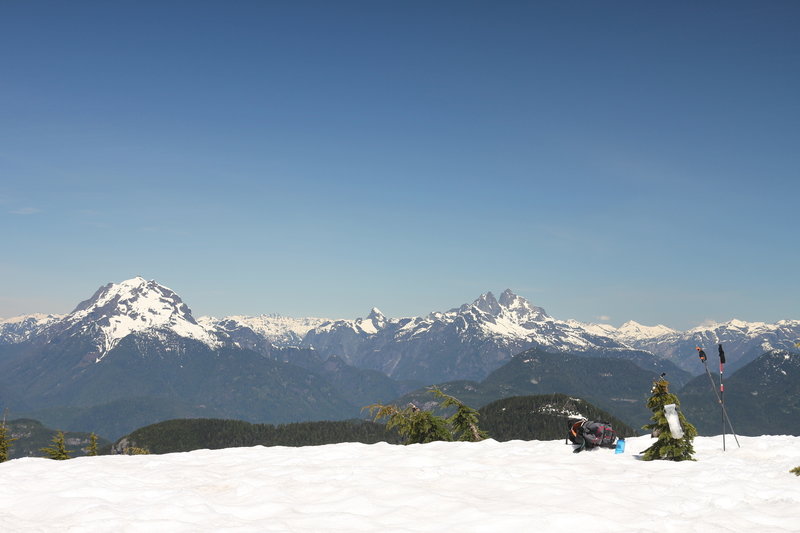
[(488, 331), (22, 328), (743, 341), (135, 348), (466, 342), (270, 329), (133, 351)]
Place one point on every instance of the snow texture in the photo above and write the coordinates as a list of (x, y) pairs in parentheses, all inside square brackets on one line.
[(464, 487)]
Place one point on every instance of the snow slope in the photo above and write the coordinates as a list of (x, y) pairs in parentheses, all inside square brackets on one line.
[(514, 486)]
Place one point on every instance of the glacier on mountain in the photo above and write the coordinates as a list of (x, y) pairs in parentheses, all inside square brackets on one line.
[(134, 306)]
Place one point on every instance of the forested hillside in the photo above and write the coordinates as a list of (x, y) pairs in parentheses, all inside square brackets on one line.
[(192, 434), (30, 436), (541, 417)]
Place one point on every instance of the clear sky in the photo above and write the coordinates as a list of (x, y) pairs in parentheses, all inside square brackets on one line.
[(606, 160)]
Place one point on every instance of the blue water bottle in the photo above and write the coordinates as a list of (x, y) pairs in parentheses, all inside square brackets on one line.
[(620, 446)]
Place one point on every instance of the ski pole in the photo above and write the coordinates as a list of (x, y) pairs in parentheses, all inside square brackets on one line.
[(702, 355), (722, 392)]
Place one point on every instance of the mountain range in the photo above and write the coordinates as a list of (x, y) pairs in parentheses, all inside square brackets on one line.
[(469, 341), (134, 354), (743, 341)]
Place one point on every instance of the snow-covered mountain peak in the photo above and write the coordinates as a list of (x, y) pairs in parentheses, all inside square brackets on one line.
[(487, 303), (634, 330), (136, 298), (605, 330), (374, 322), (136, 305), (510, 300), (521, 307), (735, 324), (511, 306), (376, 314), (741, 324)]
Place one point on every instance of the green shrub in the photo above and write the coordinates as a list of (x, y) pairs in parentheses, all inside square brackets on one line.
[(5, 441), (416, 426), (59, 449)]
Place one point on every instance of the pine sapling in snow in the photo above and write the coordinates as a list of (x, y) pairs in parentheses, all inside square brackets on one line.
[(92, 451), (418, 426), (5, 441), (59, 450), (415, 426), (675, 434), (464, 421), (134, 450)]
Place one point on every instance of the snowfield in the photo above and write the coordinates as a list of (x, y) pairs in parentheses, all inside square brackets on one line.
[(489, 486)]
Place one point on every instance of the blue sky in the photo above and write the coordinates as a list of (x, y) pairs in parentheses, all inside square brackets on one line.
[(607, 161)]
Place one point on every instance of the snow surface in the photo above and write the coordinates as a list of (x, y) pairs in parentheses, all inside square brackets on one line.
[(633, 330), (489, 486)]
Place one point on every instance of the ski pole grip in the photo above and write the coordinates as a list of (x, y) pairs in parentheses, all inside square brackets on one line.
[(701, 353)]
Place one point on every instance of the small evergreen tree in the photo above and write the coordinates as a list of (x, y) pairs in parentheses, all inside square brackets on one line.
[(416, 426), (667, 447), (92, 451), (465, 420), (5, 442), (59, 449), (133, 450), (795, 471)]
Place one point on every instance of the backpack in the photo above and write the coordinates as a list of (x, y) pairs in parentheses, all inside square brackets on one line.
[(588, 434)]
